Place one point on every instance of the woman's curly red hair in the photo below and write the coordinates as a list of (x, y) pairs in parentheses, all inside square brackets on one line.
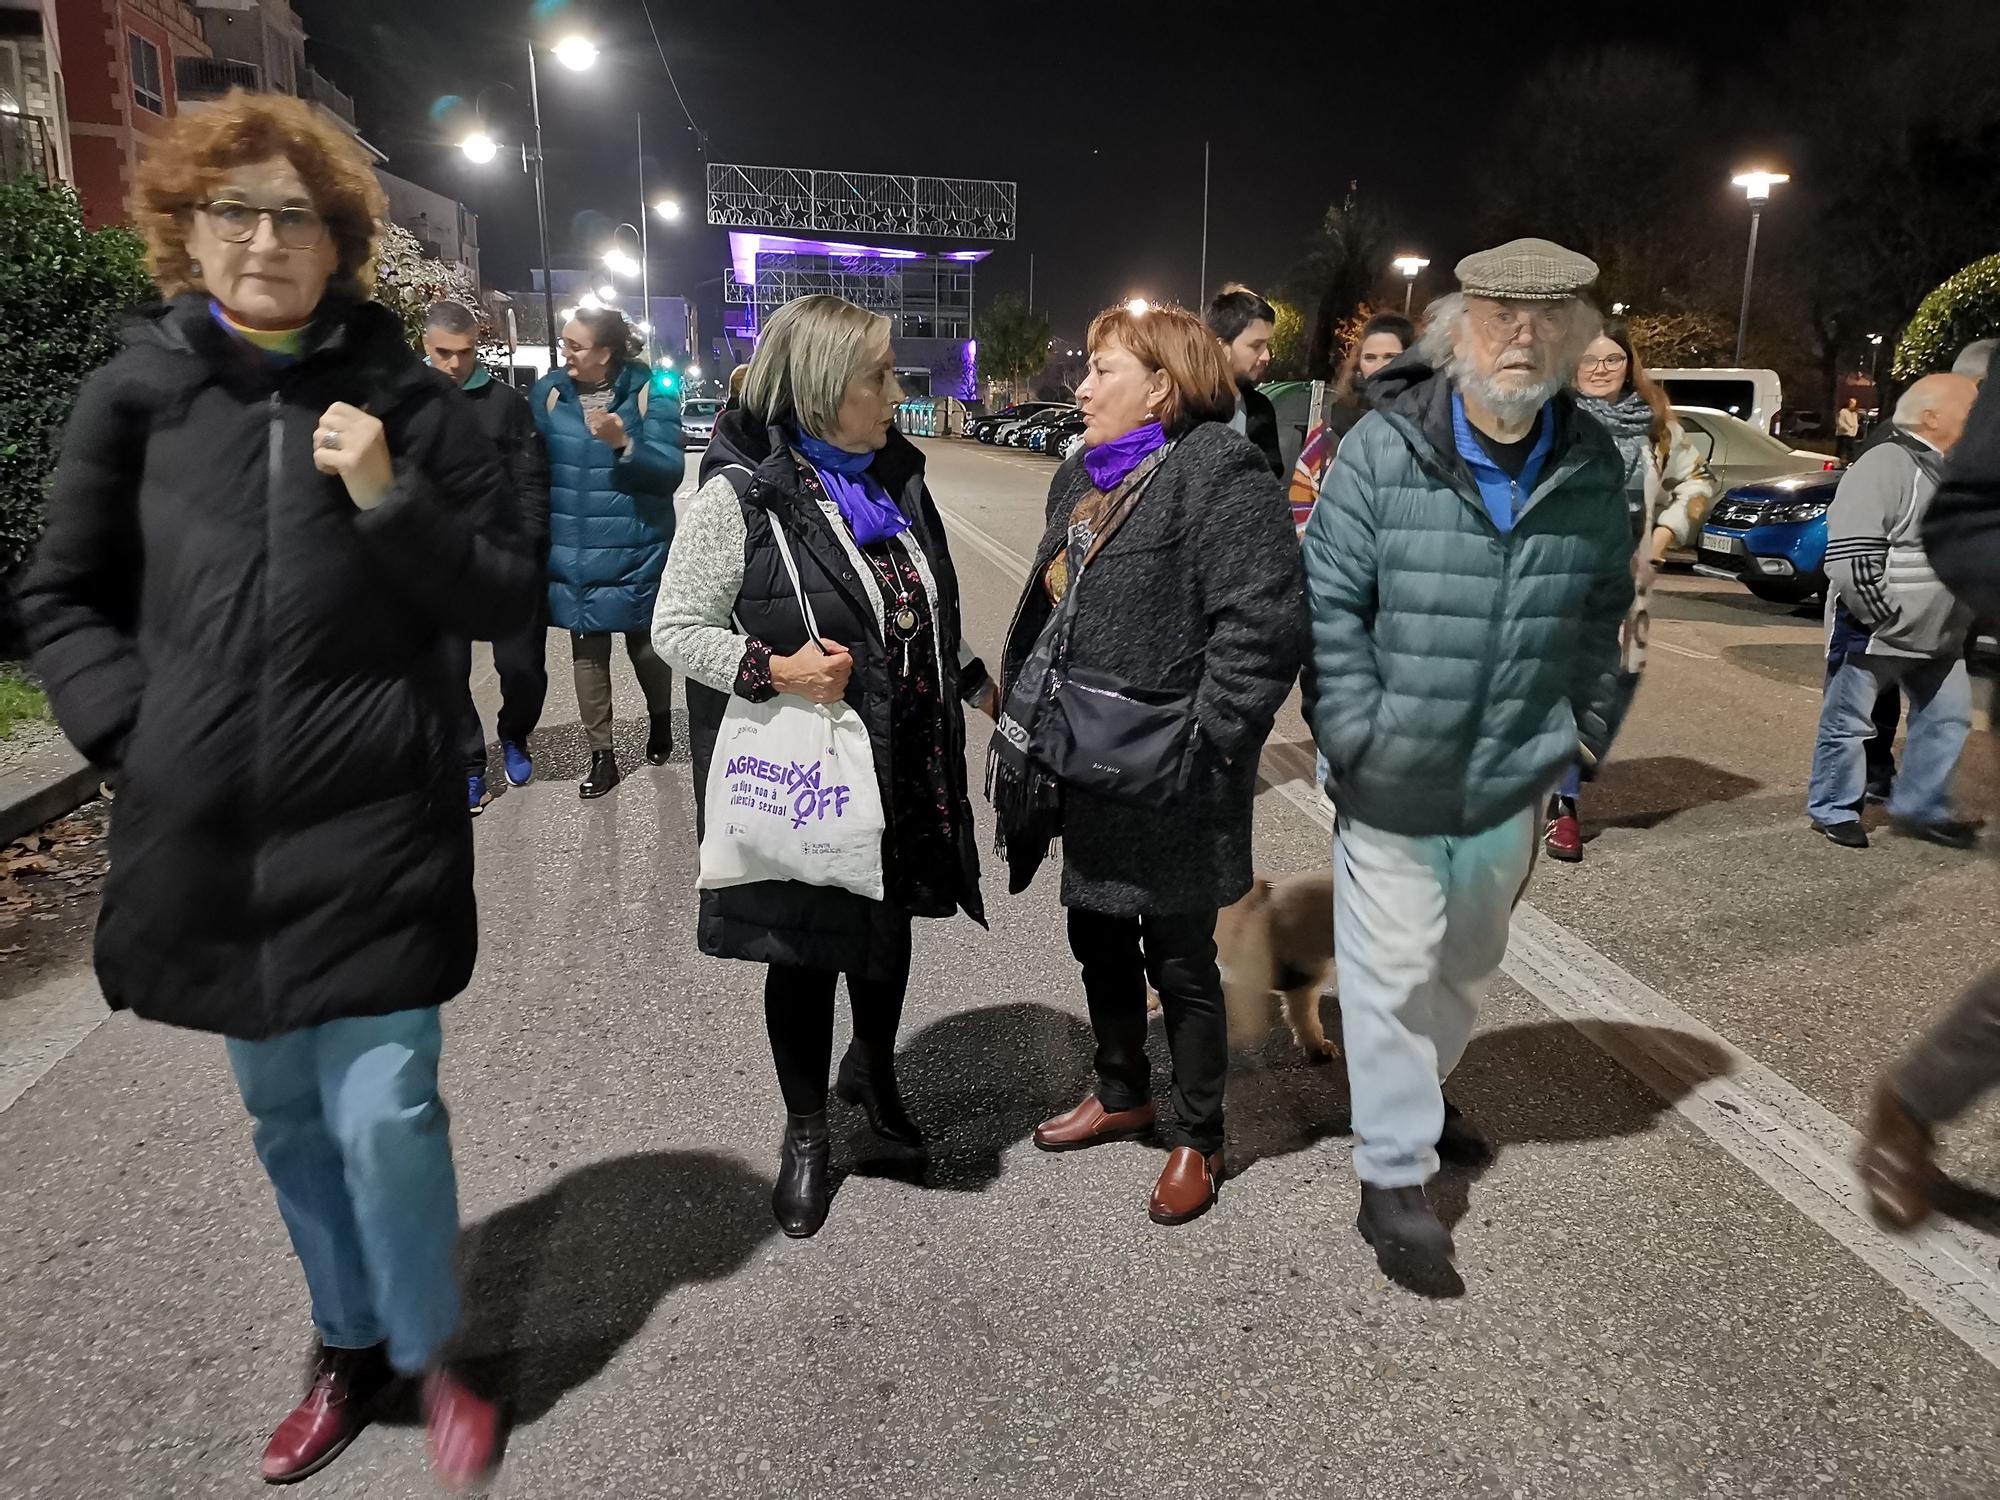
[(187, 163)]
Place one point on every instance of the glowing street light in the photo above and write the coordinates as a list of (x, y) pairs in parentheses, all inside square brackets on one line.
[(1138, 307), (1411, 266), (607, 294), (1756, 185), (694, 372), (576, 53), (480, 147), (668, 209), (620, 263)]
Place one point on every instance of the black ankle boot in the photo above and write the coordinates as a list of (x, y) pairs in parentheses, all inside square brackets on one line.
[(874, 1089), (602, 777), (659, 739), (800, 1198)]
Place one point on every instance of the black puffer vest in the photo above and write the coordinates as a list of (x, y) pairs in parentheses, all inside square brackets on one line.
[(784, 922)]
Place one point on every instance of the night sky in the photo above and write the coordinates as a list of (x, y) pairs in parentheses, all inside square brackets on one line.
[(1098, 110)]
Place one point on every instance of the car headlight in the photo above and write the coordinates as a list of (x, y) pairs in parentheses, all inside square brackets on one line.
[(1790, 513)]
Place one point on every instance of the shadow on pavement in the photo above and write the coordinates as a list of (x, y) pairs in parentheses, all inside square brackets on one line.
[(557, 1284), (980, 1081), (1974, 1207), (1649, 791)]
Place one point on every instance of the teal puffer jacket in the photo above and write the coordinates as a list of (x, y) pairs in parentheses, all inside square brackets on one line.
[(1456, 672), (611, 516)]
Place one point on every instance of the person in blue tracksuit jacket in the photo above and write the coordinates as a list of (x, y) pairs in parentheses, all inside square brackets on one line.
[(615, 459)]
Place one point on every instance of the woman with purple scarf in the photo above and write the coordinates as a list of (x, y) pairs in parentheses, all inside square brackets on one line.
[(1163, 624), (809, 473)]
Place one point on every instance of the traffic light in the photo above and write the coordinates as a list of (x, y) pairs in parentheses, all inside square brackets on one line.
[(667, 383)]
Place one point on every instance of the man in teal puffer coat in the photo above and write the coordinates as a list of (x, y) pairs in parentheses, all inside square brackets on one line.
[(1469, 565), (615, 459)]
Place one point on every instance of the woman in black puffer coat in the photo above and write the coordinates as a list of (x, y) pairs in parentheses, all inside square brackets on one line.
[(268, 523), (1198, 591)]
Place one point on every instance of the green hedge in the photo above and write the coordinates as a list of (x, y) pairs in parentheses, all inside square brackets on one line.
[(63, 292), (1966, 306)]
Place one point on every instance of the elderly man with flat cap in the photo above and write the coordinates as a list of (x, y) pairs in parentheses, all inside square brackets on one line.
[(1469, 566)]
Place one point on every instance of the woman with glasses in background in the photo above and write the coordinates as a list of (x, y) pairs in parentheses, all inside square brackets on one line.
[(615, 460), (1668, 490), (268, 521)]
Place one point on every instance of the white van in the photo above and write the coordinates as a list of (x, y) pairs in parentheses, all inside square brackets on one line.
[(1753, 396)]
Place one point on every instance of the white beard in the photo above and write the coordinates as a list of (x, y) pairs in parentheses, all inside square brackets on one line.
[(1510, 404)]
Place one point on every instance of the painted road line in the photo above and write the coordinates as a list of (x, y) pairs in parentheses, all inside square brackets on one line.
[(40, 1028), (1661, 645), (1791, 1142)]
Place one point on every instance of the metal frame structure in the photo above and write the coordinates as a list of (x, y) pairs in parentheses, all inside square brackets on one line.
[(797, 200)]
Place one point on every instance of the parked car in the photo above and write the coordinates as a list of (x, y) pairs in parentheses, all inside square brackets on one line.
[(1737, 453), (1771, 536), (1753, 396), (698, 421), (1015, 434), (1065, 437), (1031, 435), (985, 428)]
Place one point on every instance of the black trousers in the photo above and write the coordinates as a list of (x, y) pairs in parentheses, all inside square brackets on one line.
[(1880, 748), (1958, 1059), (798, 1019), (1177, 953), (523, 664)]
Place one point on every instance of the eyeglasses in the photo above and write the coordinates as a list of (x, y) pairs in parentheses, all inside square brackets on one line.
[(297, 228), (1603, 362), (573, 347), (1505, 325)]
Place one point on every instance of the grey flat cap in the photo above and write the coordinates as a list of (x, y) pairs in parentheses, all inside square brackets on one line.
[(1526, 271)]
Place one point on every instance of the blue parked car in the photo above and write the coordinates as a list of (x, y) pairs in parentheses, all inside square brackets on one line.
[(1771, 536)]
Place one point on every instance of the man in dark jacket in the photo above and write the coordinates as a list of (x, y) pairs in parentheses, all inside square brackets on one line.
[(1468, 577), (1958, 1060), (1244, 322), (451, 346)]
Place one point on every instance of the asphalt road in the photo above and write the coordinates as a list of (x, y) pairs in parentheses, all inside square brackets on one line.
[(1669, 1290)]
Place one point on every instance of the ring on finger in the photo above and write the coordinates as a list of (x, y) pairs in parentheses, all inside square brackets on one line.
[(327, 440)]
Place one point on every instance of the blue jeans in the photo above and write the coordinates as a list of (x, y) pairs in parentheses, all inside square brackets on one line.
[(1419, 928), (1571, 785), (1940, 699), (354, 1138)]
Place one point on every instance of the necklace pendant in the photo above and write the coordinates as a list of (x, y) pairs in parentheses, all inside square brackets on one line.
[(906, 619)]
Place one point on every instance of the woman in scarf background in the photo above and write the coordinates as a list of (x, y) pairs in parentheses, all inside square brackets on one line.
[(1667, 492), (813, 450), (1193, 588)]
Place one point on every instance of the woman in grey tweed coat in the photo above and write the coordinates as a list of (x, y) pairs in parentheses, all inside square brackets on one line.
[(1198, 591)]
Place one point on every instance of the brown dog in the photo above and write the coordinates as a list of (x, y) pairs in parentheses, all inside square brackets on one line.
[(1277, 941)]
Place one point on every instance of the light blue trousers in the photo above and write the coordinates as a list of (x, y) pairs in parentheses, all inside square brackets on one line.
[(1419, 928), (356, 1141), (1940, 699)]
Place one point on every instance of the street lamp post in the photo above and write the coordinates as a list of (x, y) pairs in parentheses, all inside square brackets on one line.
[(1411, 266), (1757, 187)]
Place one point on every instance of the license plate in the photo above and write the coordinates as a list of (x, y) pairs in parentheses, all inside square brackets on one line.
[(1728, 546)]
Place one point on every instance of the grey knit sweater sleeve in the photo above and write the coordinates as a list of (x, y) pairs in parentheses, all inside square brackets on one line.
[(693, 626)]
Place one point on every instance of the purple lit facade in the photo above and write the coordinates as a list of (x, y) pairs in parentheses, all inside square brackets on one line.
[(927, 297)]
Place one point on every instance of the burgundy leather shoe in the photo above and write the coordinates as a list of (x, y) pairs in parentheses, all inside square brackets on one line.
[(1563, 837), (465, 1431), (1187, 1188), (339, 1399), (1091, 1124)]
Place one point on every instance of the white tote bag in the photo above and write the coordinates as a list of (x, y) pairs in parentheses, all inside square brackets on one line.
[(791, 789)]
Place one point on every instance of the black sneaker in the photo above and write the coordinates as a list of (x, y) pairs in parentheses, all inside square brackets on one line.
[(1461, 1142), (1879, 791), (603, 775), (660, 739), (1848, 833), (1401, 1224), (1951, 833)]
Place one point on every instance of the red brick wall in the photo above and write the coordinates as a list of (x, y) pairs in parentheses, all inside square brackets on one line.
[(107, 126)]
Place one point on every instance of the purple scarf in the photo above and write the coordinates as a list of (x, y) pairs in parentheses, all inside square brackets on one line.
[(862, 502), (1110, 462)]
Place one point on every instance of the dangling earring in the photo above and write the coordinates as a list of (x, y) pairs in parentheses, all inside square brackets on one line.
[(194, 269)]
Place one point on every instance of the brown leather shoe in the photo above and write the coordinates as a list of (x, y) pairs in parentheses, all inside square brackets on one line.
[(1898, 1164), (1187, 1187), (343, 1387), (1091, 1124)]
